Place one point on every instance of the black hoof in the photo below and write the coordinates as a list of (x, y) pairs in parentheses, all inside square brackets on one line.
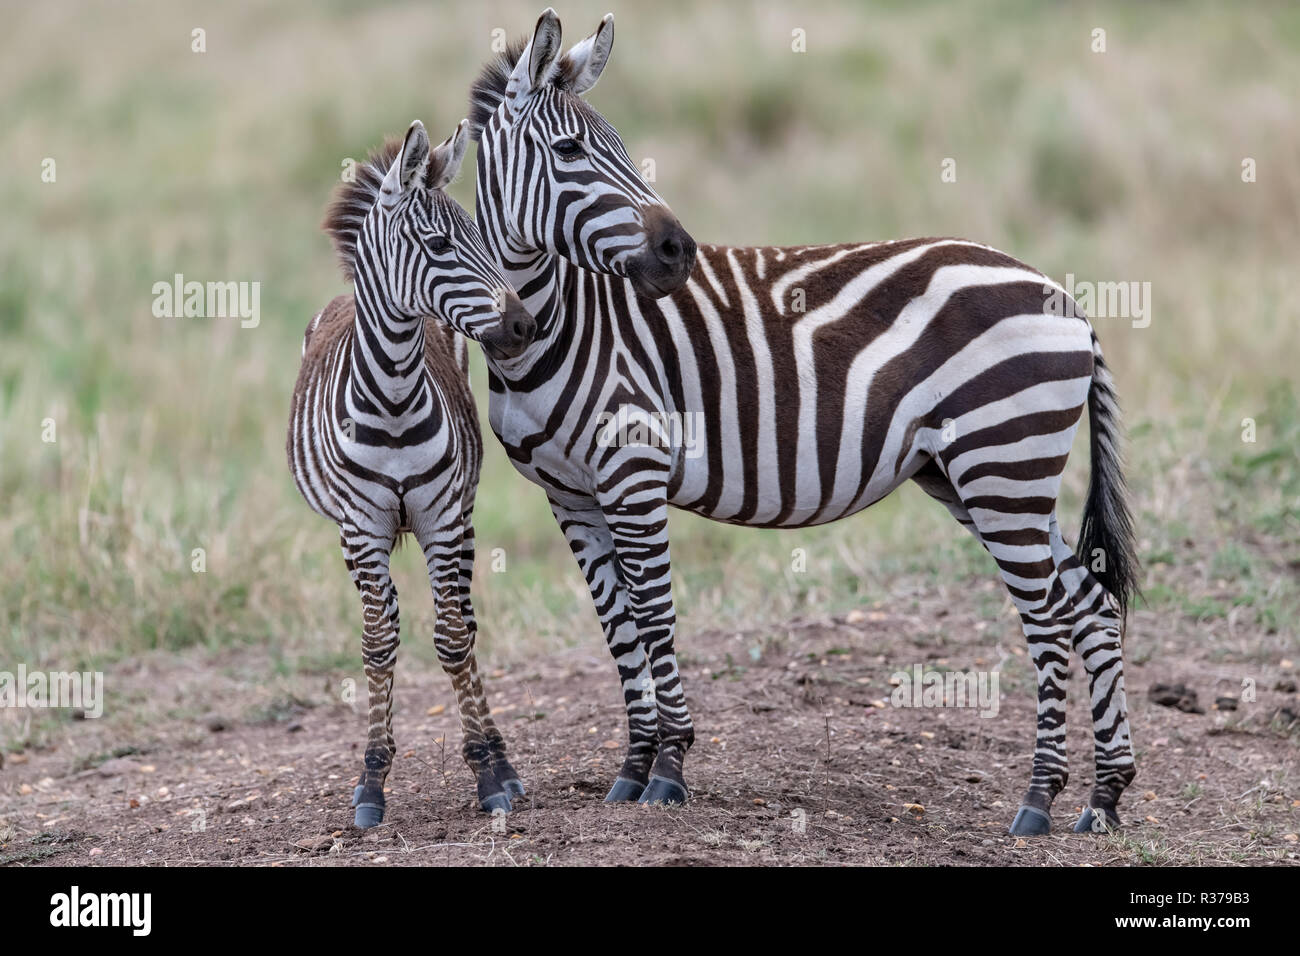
[(514, 787), (624, 791), (497, 801), (663, 790), (1097, 821), (368, 815), (1030, 821)]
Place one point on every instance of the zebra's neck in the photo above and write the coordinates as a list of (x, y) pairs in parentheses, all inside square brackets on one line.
[(387, 356)]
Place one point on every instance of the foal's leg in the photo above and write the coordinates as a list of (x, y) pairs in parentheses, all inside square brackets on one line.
[(442, 542), (505, 773), (1096, 638), (592, 545), (367, 558)]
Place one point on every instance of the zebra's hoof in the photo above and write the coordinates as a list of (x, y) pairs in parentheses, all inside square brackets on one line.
[(356, 795), (1030, 821), (624, 791), (497, 801), (513, 787), (1097, 821), (662, 790), (368, 815)]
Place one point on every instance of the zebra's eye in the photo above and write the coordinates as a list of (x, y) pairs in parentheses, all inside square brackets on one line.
[(439, 244), (568, 148)]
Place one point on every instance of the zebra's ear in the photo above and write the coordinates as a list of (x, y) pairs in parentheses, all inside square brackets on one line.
[(586, 61), (535, 63), (410, 162), (445, 161)]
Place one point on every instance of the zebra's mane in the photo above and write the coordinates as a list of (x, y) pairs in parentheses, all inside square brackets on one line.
[(353, 201), (487, 92)]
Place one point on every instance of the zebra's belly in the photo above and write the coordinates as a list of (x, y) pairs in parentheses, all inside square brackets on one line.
[(769, 496)]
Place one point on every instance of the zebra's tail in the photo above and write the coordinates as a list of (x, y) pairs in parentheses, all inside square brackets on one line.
[(1106, 540)]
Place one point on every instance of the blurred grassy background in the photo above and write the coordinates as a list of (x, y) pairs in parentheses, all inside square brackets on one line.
[(1119, 166)]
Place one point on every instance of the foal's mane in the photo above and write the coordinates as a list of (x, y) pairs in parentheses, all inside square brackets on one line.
[(353, 201)]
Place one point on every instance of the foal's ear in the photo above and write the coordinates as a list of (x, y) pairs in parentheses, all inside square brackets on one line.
[(587, 59), (445, 162), (534, 66), (409, 164)]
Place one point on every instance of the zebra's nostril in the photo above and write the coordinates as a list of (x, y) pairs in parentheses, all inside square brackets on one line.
[(671, 249)]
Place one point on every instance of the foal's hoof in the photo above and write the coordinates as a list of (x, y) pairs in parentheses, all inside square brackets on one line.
[(513, 787), (1030, 821), (497, 801), (624, 791), (1097, 821), (662, 790), (368, 815)]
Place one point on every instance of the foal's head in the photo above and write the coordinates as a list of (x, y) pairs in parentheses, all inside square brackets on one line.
[(409, 246)]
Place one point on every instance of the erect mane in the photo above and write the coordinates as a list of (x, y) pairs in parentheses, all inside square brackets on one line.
[(487, 92), (353, 201)]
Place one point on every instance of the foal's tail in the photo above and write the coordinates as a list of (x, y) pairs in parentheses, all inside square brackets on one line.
[(1106, 541)]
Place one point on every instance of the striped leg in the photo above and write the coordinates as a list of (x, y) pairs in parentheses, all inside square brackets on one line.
[(505, 773), (592, 545), (367, 559), (454, 641), (1024, 556), (1010, 507), (1096, 638), (638, 525)]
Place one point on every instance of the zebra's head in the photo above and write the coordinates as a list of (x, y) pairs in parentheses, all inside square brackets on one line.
[(553, 174), (407, 244)]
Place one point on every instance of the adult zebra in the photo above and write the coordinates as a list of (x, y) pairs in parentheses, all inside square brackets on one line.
[(383, 433), (823, 378)]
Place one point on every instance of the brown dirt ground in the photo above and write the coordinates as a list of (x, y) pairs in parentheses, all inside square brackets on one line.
[(786, 721)]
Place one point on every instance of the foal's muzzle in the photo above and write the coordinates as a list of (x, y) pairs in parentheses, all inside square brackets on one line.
[(514, 333)]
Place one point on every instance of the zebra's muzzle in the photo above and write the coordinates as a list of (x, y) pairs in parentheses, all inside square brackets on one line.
[(664, 265)]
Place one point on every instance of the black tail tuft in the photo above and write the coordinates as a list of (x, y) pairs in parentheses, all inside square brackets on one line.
[(1106, 541)]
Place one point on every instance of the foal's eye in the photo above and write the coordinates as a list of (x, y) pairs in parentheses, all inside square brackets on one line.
[(567, 148), (439, 244)]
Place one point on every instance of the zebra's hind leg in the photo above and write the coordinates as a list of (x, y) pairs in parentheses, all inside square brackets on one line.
[(367, 559), (505, 773), (1020, 543), (454, 642), (1096, 639), (1016, 534)]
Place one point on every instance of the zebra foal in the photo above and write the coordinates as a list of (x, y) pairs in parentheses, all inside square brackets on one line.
[(383, 433), (822, 377)]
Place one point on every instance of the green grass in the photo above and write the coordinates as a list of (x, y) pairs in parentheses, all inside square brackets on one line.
[(1123, 165)]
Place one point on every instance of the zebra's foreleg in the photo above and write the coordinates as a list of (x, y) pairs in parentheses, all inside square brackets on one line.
[(589, 539), (367, 559), (454, 642), (1096, 639), (638, 525)]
